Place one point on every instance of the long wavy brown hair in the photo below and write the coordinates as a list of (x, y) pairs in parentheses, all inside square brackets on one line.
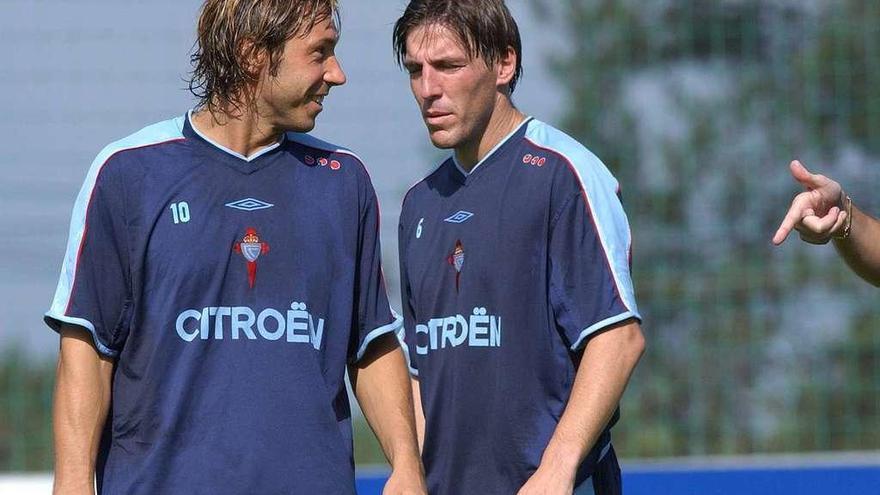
[(231, 33)]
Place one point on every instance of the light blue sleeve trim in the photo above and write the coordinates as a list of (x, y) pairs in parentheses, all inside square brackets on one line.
[(54, 321), (378, 332), (154, 134), (600, 325), (401, 337), (600, 189)]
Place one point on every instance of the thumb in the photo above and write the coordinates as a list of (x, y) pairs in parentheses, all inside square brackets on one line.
[(802, 175)]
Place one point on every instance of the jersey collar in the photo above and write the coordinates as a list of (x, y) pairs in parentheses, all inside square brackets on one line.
[(466, 177), (246, 164)]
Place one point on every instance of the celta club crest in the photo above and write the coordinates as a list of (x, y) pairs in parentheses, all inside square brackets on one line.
[(456, 259), (251, 247)]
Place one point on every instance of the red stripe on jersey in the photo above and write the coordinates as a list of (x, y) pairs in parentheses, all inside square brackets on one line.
[(89, 207), (590, 213)]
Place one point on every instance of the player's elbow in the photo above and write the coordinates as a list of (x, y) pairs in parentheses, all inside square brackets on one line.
[(641, 343), (632, 341)]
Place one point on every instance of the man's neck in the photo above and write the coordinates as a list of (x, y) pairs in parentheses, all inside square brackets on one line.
[(505, 118), (242, 132)]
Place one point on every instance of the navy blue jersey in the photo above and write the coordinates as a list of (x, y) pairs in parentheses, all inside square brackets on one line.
[(506, 272), (232, 292)]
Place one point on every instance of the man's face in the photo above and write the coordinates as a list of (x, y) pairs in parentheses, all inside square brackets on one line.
[(456, 94), (293, 98)]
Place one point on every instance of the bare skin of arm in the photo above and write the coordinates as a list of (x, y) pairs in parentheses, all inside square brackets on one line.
[(381, 384), (819, 215), (419, 413), (606, 366), (82, 399), (861, 250)]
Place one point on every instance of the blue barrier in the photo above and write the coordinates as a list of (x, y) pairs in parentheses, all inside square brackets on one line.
[(683, 479), (370, 484), (837, 480)]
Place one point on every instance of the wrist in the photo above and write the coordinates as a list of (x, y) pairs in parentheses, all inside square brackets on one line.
[(844, 231), (561, 459), (406, 463), (73, 485)]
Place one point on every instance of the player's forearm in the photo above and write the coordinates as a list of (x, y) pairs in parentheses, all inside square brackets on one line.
[(418, 412), (861, 250), (82, 399), (382, 388), (607, 364)]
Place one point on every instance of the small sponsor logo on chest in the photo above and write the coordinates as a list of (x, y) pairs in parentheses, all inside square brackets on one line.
[(249, 204), (460, 216), (530, 159), (322, 161)]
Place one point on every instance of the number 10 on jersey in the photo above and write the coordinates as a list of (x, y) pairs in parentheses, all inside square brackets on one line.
[(180, 212)]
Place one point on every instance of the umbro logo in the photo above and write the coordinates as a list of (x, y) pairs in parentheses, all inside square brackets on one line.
[(460, 216), (249, 204)]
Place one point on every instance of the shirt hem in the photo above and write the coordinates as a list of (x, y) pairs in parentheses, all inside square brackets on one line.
[(582, 338), (54, 321), (376, 333)]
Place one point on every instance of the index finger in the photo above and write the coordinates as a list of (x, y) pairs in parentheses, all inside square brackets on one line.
[(795, 214)]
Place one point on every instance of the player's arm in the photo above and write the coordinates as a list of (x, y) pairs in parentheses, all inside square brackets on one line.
[(821, 213), (378, 371), (82, 399), (608, 361), (407, 336), (594, 307), (381, 384), (90, 312), (861, 249), (419, 413)]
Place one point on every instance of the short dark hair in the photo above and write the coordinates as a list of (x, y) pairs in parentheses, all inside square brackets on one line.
[(485, 28), (227, 27)]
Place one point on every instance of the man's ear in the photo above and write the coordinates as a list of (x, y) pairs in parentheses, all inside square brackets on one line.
[(505, 68)]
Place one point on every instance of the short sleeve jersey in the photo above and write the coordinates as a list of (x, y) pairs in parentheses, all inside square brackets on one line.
[(232, 293), (506, 273)]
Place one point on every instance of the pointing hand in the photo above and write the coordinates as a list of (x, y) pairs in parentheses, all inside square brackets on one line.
[(817, 213)]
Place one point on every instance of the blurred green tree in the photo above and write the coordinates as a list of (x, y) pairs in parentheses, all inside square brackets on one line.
[(25, 413), (697, 106)]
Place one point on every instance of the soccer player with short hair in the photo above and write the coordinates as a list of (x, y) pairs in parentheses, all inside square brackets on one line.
[(519, 315), (223, 270)]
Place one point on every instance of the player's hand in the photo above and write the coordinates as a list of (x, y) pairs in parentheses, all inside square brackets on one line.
[(548, 482), (817, 213), (406, 482)]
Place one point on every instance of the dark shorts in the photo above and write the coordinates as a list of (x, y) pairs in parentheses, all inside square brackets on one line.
[(605, 480)]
